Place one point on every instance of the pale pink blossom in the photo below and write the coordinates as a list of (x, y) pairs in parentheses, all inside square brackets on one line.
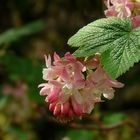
[(102, 84), (136, 21), (124, 8), (74, 86), (119, 8), (19, 90)]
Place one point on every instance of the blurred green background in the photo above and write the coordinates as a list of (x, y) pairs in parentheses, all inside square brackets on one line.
[(28, 30)]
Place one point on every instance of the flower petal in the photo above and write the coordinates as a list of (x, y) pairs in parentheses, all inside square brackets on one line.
[(108, 95), (48, 61), (65, 108), (77, 108), (78, 97), (56, 57), (53, 96)]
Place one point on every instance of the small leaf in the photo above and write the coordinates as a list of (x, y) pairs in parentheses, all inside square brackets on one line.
[(79, 135), (17, 132), (114, 38), (16, 33), (114, 118), (3, 102)]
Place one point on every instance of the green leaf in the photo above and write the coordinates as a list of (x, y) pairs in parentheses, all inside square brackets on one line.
[(118, 60), (3, 102), (114, 38), (99, 35), (79, 135), (16, 33), (22, 68), (17, 132), (114, 118)]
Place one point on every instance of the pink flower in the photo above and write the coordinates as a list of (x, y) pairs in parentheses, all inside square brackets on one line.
[(124, 8), (19, 90), (65, 79), (136, 21), (119, 8), (69, 92), (101, 83)]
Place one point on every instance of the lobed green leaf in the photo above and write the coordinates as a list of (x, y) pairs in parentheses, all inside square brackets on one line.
[(114, 38)]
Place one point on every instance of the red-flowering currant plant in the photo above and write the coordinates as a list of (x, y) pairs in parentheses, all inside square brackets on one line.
[(107, 48)]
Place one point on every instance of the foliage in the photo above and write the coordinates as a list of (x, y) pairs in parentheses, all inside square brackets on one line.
[(18, 33), (114, 118), (25, 38), (82, 135), (24, 70), (114, 39)]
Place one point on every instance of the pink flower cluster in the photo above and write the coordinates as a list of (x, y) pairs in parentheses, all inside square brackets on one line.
[(124, 8), (73, 86)]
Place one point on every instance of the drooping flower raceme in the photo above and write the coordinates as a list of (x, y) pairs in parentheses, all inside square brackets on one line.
[(124, 8), (74, 86)]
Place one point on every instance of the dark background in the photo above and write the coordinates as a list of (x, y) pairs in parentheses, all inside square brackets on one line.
[(28, 30)]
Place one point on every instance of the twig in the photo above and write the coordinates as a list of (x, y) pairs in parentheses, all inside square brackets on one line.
[(100, 125), (103, 127)]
